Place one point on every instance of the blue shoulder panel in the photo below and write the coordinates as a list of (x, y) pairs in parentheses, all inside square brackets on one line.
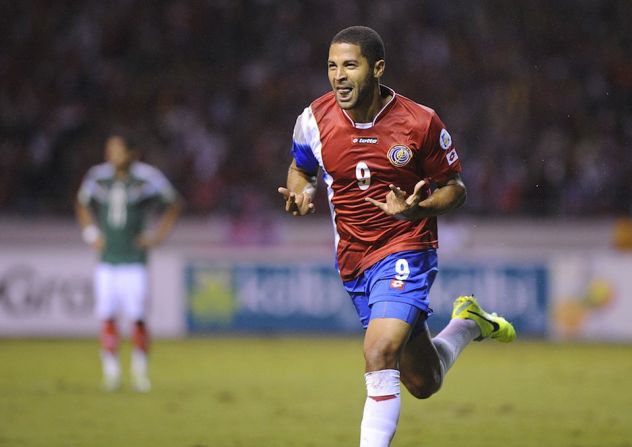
[(304, 157)]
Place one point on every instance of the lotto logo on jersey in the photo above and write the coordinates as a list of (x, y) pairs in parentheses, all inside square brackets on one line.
[(399, 155), (452, 156), (397, 284), (365, 140)]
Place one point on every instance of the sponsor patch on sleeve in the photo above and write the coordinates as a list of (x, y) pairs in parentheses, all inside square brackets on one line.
[(452, 156), (445, 140), (397, 284)]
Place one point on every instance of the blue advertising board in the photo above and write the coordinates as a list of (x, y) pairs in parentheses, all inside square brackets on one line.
[(308, 297), (518, 291), (267, 297)]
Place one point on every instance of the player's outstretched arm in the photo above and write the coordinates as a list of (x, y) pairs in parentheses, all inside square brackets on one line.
[(299, 193), (446, 197)]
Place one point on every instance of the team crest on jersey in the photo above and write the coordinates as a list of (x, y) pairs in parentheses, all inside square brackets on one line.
[(399, 155), (445, 140)]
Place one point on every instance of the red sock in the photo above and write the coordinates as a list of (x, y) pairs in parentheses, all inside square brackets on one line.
[(140, 336), (109, 336)]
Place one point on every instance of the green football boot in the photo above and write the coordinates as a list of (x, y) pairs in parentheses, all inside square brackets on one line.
[(491, 325)]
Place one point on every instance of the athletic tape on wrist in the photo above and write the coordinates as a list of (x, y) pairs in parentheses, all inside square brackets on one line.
[(90, 234)]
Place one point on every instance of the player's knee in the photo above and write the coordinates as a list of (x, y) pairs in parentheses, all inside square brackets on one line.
[(381, 355), (423, 387), (426, 391)]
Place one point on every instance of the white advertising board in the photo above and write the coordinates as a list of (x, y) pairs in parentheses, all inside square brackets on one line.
[(46, 288), (47, 292), (592, 297)]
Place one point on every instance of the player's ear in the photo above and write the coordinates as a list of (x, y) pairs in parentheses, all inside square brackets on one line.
[(378, 68)]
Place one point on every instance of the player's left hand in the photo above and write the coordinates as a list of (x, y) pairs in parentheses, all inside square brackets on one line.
[(399, 204), (147, 241), (297, 204)]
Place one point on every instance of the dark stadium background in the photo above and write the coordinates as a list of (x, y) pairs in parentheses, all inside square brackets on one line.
[(536, 94)]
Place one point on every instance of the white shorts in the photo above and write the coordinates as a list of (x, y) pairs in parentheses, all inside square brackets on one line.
[(121, 288)]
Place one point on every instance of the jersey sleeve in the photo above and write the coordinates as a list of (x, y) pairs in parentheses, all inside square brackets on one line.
[(88, 188), (440, 160), (302, 142), (155, 183), (159, 186)]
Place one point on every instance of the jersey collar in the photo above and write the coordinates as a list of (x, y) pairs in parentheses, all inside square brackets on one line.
[(384, 90)]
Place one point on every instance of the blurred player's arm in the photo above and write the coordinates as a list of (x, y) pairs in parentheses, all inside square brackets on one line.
[(165, 224), (299, 192), (90, 232), (446, 197)]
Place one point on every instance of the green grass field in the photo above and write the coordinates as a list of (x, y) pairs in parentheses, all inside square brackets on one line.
[(310, 392)]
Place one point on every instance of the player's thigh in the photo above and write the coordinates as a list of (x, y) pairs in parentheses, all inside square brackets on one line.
[(398, 287), (133, 286), (106, 299), (388, 323), (384, 341)]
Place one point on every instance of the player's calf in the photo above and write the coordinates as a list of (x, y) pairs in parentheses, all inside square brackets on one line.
[(422, 386)]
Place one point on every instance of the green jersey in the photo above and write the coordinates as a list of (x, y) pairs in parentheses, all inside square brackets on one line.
[(122, 206)]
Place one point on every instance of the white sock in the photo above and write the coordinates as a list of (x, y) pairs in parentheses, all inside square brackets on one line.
[(451, 341), (139, 365), (381, 409), (110, 363)]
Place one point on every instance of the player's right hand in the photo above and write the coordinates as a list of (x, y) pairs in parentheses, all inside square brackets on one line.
[(298, 204), (399, 204), (99, 244)]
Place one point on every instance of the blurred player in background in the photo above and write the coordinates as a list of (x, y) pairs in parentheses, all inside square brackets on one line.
[(390, 167), (113, 204)]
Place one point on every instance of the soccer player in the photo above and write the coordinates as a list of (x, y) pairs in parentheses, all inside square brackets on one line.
[(113, 203), (390, 167)]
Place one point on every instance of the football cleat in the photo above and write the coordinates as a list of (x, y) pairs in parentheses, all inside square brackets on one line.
[(490, 325), (141, 383), (111, 382)]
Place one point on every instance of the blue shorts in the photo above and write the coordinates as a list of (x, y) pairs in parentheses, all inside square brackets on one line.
[(395, 287)]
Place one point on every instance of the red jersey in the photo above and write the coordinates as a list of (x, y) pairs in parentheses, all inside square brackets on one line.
[(406, 142)]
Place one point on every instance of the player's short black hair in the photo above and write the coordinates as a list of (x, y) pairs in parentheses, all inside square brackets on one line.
[(369, 41)]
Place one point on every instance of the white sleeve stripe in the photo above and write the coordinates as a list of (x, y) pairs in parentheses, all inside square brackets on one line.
[(157, 183), (312, 134)]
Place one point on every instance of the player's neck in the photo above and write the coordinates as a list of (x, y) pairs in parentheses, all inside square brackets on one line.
[(121, 173), (377, 101)]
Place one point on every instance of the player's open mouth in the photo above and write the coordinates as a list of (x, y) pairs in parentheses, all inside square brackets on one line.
[(344, 93)]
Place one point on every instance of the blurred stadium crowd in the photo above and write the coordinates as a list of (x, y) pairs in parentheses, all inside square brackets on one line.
[(537, 95)]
